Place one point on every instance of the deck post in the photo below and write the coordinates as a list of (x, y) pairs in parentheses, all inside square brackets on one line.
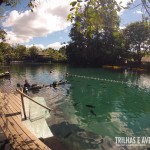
[(23, 106)]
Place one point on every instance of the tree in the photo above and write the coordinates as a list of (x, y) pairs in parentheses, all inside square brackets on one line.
[(19, 52), (93, 31), (62, 50), (1, 57), (55, 55), (33, 52), (13, 3), (6, 51), (2, 35), (137, 36), (145, 4), (96, 14)]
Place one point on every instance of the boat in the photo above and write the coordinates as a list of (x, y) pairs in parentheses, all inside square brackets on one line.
[(117, 67), (112, 67)]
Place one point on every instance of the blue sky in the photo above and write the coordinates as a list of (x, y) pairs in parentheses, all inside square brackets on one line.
[(132, 14), (47, 26)]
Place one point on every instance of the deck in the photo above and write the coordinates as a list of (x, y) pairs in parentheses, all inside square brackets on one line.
[(11, 123)]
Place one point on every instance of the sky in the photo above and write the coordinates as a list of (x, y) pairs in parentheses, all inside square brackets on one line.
[(47, 26)]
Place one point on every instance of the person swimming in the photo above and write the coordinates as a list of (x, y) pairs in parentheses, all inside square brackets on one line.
[(26, 86)]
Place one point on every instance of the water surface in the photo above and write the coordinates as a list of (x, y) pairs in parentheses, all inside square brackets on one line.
[(91, 108)]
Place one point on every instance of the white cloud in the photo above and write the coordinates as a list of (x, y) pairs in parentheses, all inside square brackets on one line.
[(13, 38), (124, 4), (122, 27), (56, 45), (138, 12), (49, 16), (40, 46)]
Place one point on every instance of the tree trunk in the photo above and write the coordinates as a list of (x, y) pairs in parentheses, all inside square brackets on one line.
[(139, 54)]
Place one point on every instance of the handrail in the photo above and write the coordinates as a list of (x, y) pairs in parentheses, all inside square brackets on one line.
[(25, 95)]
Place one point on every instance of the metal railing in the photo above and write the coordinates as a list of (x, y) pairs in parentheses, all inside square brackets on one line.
[(23, 106)]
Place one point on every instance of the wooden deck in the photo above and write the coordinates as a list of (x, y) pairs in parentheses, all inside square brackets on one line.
[(10, 121)]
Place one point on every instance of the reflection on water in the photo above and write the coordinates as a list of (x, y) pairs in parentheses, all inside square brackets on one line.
[(86, 110)]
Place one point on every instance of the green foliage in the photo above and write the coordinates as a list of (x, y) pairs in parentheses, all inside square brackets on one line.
[(1, 57), (57, 56), (73, 3), (137, 37), (13, 3), (33, 52), (2, 34), (94, 34), (95, 14), (19, 52), (5, 52)]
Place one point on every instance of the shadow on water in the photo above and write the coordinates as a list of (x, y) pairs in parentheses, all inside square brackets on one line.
[(75, 137)]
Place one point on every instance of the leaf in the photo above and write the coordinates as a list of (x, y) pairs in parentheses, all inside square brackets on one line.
[(72, 9), (125, 7), (78, 5), (69, 16), (73, 3), (79, 1), (129, 3)]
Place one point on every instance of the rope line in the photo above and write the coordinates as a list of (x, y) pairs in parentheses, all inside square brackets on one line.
[(102, 79)]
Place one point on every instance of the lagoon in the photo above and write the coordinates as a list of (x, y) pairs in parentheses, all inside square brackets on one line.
[(96, 104)]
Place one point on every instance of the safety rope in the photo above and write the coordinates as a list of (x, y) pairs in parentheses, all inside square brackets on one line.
[(101, 79)]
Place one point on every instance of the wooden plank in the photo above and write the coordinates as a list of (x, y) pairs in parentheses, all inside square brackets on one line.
[(10, 103), (25, 134), (17, 141), (22, 131), (11, 124), (13, 102), (24, 141), (12, 93), (8, 97), (15, 99), (11, 137)]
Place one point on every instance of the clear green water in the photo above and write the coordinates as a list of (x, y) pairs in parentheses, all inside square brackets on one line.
[(117, 109)]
